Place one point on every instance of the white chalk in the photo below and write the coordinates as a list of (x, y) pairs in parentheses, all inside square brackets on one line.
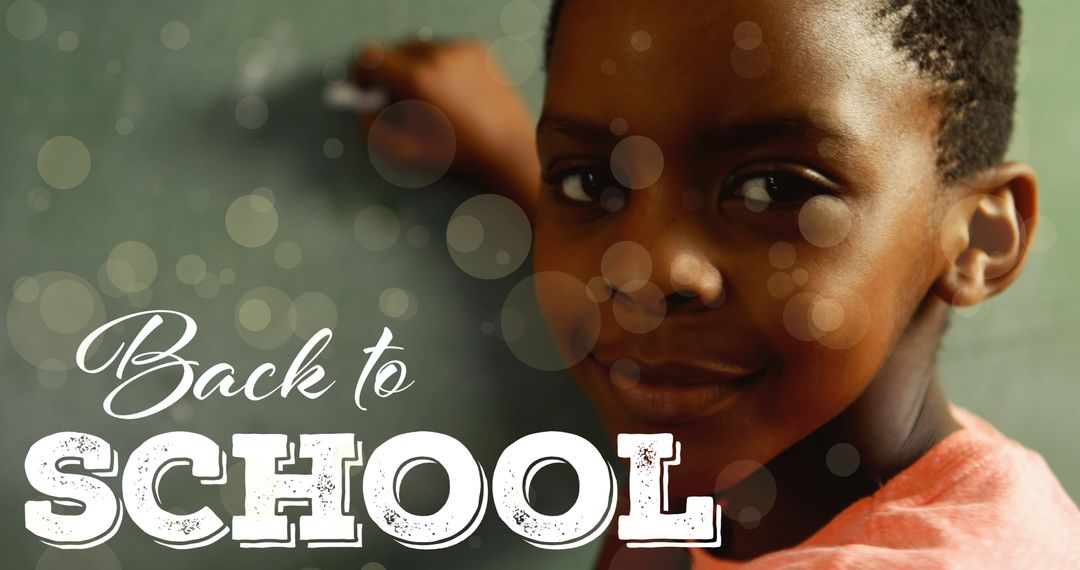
[(347, 96)]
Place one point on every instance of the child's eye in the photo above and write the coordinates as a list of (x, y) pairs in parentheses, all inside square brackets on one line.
[(582, 184), (777, 189), (579, 187)]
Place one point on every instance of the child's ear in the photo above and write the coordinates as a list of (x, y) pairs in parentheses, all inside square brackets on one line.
[(986, 233)]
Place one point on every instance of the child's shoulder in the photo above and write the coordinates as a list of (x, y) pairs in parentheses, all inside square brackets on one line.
[(978, 469), (977, 499)]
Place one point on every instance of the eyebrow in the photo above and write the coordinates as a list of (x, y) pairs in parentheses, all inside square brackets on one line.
[(745, 134), (576, 128)]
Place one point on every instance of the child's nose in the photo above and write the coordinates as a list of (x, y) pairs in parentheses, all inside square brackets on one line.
[(663, 267), (667, 258)]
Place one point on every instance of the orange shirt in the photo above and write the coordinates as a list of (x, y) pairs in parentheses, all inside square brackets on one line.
[(976, 500)]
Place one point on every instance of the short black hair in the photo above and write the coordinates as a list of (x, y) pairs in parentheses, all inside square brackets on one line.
[(969, 50)]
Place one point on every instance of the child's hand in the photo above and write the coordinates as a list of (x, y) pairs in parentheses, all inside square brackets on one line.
[(494, 131)]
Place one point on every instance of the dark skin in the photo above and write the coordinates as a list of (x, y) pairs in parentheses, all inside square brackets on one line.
[(820, 165)]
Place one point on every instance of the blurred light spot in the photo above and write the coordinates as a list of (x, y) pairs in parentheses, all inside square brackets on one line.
[(39, 199), (414, 124), (174, 35), (52, 373), (141, 299), (370, 54), (63, 162), (597, 290), (619, 126), (827, 315), (251, 220), (131, 266), (124, 126), (613, 200), (287, 255), (796, 317), (626, 265), (209, 287), (749, 517), (511, 61), (310, 313), (1046, 235), (190, 269), (333, 148), (625, 373), (750, 490), (825, 221), (637, 162), (262, 318), (26, 20), (67, 41), (521, 19), (265, 193), (252, 112), (642, 311), (747, 35), (254, 314), (489, 236), (105, 284), (397, 303), (26, 290), (48, 316), (256, 58), (640, 40), (782, 255), (465, 234), (376, 228), (570, 314), (181, 412), (842, 459), (97, 558), (751, 63)]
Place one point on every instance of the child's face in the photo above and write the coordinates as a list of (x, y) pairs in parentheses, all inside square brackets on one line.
[(777, 315)]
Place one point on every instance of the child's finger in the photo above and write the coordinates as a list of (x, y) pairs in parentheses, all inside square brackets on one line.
[(391, 69), (368, 57)]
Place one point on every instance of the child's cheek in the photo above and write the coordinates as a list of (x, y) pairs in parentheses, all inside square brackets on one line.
[(836, 318), (829, 302), (819, 285)]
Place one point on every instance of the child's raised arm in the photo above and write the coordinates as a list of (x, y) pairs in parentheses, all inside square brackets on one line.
[(494, 131)]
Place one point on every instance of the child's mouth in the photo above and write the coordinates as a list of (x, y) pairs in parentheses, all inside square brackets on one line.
[(674, 393)]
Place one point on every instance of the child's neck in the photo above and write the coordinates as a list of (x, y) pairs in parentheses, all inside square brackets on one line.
[(899, 417)]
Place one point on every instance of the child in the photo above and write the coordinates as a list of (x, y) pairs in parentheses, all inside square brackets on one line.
[(776, 205)]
